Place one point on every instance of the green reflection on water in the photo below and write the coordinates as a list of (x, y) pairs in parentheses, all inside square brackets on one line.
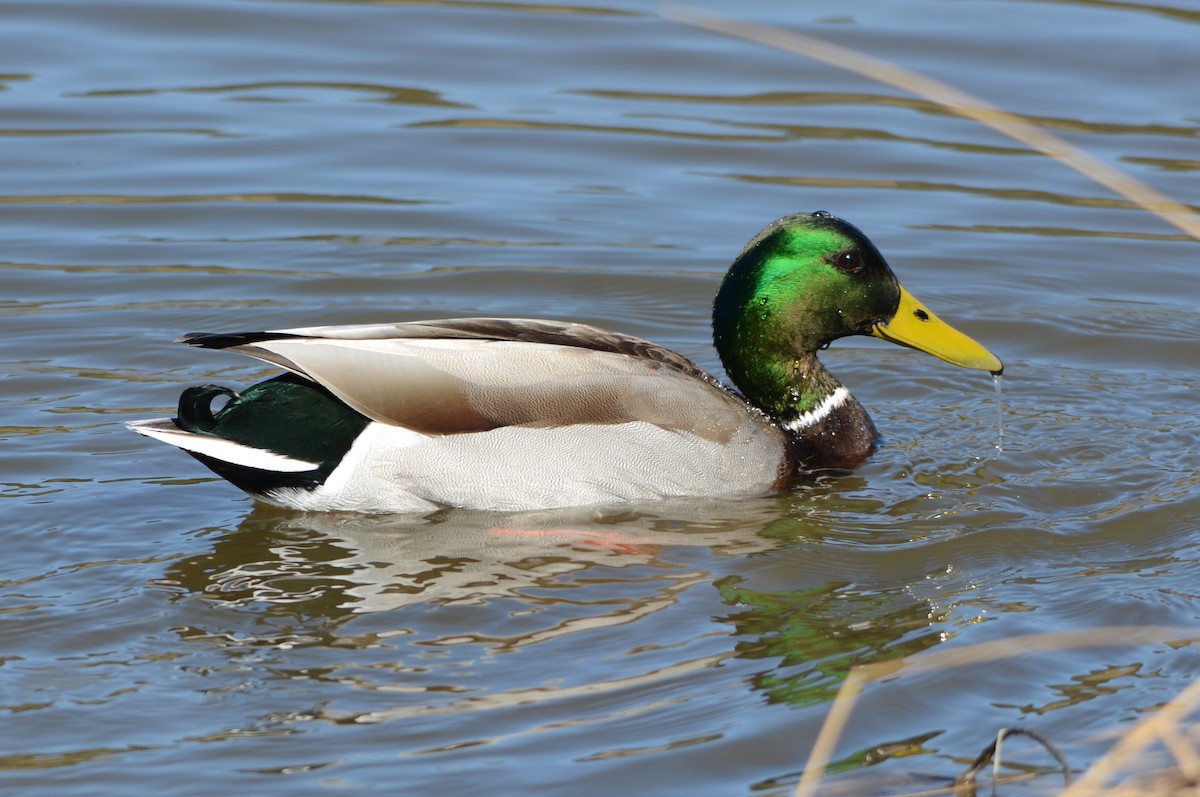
[(820, 633)]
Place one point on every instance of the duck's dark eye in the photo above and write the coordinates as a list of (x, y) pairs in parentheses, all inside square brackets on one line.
[(847, 262)]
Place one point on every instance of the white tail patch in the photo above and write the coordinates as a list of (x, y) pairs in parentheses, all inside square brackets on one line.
[(834, 400), (219, 448)]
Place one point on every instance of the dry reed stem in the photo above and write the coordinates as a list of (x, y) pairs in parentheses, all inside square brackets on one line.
[(980, 653), (1160, 726), (954, 100)]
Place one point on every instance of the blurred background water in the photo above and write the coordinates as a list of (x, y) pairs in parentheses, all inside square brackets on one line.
[(226, 165)]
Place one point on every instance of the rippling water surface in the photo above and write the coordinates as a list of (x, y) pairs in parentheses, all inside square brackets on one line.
[(225, 165)]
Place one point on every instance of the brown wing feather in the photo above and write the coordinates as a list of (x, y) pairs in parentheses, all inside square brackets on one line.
[(460, 375)]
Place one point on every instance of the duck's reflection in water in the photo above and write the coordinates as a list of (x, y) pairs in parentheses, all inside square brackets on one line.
[(348, 564)]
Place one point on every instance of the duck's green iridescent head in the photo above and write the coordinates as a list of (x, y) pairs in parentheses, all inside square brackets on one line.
[(805, 281)]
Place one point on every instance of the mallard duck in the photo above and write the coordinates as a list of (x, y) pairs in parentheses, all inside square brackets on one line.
[(517, 414)]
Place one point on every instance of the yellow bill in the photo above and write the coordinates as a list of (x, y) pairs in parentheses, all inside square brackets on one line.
[(915, 326)]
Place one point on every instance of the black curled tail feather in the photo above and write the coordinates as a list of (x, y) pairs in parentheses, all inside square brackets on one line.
[(195, 413)]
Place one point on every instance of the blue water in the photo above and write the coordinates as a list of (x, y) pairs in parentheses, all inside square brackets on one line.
[(229, 165)]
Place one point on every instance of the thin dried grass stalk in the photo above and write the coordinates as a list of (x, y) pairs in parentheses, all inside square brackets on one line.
[(1160, 726), (981, 653), (954, 100)]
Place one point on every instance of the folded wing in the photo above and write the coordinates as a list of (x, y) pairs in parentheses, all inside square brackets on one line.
[(469, 375)]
